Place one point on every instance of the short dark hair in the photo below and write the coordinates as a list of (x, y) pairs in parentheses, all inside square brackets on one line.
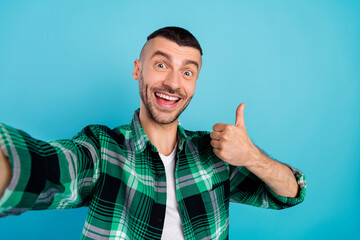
[(178, 35)]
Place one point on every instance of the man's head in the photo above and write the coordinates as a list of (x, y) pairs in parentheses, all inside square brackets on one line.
[(180, 36), (167, 71)]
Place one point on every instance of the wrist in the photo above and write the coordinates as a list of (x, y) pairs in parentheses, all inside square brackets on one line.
[(258, 162), (5, 173)]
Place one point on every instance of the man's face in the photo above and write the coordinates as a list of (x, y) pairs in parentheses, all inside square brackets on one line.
[(167, 75)]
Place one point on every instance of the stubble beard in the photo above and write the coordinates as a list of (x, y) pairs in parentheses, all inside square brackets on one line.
[(165, 117)]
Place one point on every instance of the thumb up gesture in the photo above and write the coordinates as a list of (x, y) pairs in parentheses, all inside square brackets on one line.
[(231, 143)]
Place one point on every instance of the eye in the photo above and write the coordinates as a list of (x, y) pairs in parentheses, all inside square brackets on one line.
[(188, 73), (160, 65)]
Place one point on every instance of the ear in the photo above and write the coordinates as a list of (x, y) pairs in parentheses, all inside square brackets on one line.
[(137, 69)]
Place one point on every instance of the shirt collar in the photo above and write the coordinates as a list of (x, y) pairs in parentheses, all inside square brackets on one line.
[(141, 141)]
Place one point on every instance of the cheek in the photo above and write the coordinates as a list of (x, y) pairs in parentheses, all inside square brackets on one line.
[(153, 78), (190, 88)]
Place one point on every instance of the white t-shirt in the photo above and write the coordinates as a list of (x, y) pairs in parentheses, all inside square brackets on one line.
[(172, 224)]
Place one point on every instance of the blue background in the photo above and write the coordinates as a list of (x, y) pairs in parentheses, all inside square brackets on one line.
[(66, 64)]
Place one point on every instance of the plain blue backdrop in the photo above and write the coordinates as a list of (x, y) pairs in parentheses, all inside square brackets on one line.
[(296, 65)]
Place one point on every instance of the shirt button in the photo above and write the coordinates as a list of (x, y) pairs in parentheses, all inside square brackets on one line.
[(160, 175), (160, 220)]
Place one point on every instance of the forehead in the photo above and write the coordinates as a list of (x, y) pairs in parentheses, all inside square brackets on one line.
[(171, 48)]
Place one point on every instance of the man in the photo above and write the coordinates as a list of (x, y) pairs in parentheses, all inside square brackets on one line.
[(149, 179)]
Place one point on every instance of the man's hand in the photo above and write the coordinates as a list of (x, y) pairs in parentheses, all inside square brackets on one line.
[(5, 173), (232, 144)]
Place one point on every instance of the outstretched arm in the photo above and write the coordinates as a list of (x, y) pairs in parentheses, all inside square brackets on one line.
[(47, 175), (5, 173), (233, 145)]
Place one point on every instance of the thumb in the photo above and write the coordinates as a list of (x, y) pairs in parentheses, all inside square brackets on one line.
[(239, 120)]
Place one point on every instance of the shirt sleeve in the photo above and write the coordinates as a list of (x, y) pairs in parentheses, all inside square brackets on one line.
[(247, 188), (48, 175)]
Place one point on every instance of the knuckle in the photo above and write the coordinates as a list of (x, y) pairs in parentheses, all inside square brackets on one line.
[(226, 136), (228, 127)]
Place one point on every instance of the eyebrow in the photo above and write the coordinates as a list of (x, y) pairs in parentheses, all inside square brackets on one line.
[(160, 53), (192, 62), (187, 62)]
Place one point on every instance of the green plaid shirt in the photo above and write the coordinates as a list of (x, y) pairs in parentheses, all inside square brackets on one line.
[(119, 175)]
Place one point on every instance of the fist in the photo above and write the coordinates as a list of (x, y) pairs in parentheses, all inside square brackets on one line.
[(231, 143)]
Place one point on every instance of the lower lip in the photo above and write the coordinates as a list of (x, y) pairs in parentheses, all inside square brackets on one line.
[(164, 105)]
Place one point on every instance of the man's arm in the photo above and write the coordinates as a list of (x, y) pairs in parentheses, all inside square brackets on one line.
[(233, 145), (5, 173), (47, 175), (277, 176)]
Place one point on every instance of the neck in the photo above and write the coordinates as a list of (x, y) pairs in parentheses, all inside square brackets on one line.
[(162, 136)]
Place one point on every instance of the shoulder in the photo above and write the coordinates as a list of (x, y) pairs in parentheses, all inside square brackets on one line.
[(197, 136), (103, 132), (101, 129), (198, 143), (199, 140)]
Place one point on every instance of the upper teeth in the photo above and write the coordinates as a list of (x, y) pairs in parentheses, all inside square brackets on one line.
[(167, 97)]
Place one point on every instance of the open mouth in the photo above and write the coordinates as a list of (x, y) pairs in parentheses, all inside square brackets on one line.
[(166, 101)]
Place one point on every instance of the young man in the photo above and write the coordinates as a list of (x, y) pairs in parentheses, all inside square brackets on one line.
[(149, 179)]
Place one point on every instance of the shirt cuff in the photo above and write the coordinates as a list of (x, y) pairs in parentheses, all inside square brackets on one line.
[(14, 148)]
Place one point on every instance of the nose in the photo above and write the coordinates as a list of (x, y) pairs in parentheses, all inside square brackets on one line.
[(173, 80)]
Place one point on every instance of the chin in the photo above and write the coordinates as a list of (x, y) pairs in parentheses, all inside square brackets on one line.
[(164, 118)]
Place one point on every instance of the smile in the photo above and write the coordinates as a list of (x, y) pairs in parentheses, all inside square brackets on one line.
[(166, 101), (167, 97)]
